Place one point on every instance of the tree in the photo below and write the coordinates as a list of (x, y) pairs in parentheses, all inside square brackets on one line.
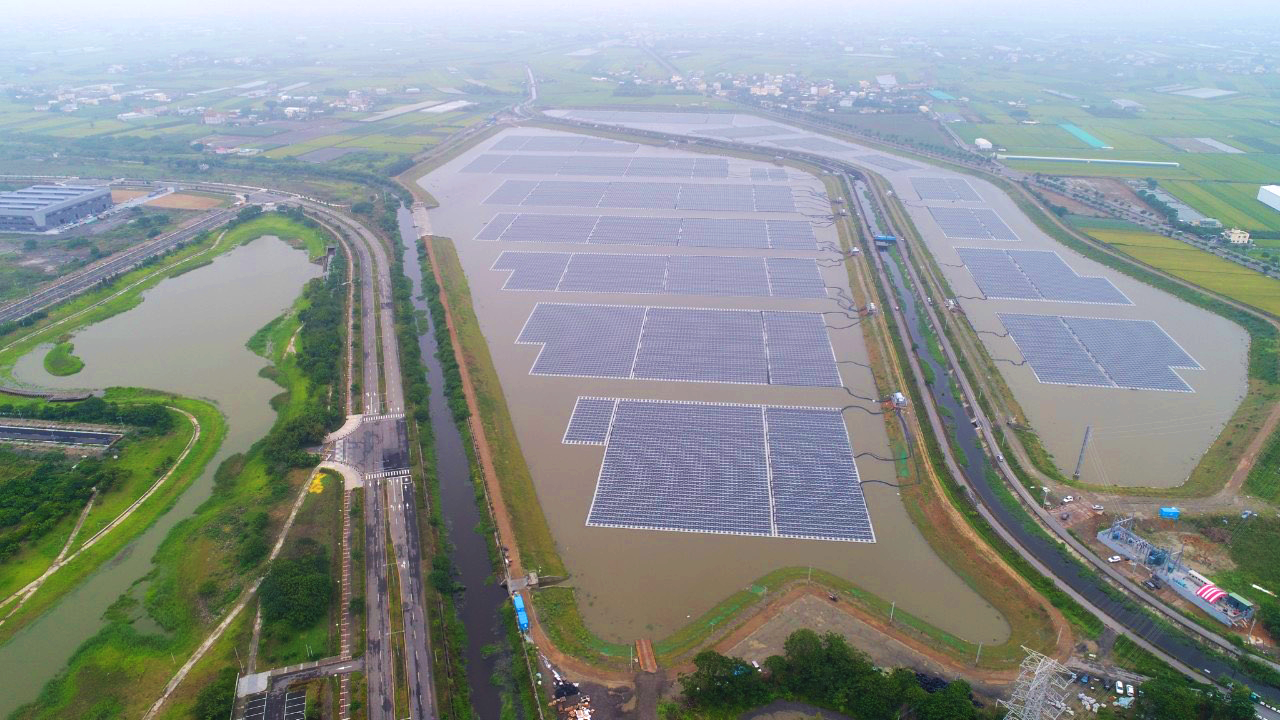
[(215, 699), (723, 682), (1166, 699), (951, 703)]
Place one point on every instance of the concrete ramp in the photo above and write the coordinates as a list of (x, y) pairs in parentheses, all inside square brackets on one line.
[(351, 477), (349, 426)]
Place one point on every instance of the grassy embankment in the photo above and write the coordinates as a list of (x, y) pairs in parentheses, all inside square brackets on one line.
[(557, 608), (200, 571), (61, 360)]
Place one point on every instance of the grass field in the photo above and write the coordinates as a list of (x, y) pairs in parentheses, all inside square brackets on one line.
[(1196, 266), (1235, 204), (61, 360)]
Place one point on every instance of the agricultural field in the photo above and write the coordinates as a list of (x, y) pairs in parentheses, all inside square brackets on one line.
[(1194, 265), (1235, 204)]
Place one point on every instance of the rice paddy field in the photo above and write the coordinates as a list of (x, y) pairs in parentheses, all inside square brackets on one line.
[(1191, 264)]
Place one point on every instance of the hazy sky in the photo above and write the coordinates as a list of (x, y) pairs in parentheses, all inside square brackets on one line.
[(504, 11)]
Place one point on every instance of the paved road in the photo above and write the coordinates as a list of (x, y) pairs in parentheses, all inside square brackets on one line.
[(67, 287), (59, 436), (379, 670)]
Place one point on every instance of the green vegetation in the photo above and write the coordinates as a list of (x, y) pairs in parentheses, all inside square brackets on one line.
[(61, 361), (824, 671), (296, 596), (1235, 204), (201, 568)]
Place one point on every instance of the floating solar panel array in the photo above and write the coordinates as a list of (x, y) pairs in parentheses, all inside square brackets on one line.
[(795, 278), (971, 224), (726, 469), (681, 344), (1035, 275), (654, 196), (886, 162), (769, 174), (813, 143), (664, 118), (749, 131), (1099, 352), (929, 188), (542, 143), (627, 230), (599, 165)]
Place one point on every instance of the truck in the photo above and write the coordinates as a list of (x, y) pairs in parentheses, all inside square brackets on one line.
[(522, 617)]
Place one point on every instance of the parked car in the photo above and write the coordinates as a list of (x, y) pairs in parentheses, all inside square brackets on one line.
[(1068, 499), (1119, 687), (1097, 508), (1114, 559), (1128, 690)]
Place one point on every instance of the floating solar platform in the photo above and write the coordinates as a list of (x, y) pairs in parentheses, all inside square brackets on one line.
[(628, 230), (649, 195), (958, 189), (769, 174), (886, 162), (761, 470), (599, 165), (1036, 275), (681, 344), (813, 144), (712, 275), (1099, 352), (748, 131), (971, 224), (640, 116), (543, 143)]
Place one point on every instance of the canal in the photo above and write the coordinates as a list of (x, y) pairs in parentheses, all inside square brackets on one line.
[(481, 599)]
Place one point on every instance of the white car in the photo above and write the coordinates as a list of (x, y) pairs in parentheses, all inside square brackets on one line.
[(1114, 559), (1119, 688), (1128, 690), (1068, 499), (1097, 508)]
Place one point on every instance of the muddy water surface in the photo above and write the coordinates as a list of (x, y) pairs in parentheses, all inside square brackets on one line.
[(638, 583)]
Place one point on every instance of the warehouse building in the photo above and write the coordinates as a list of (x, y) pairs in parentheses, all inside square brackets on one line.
[(43, 207), (1269, 195)]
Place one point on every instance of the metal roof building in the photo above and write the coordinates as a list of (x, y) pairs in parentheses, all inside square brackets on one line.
[(41, 207)]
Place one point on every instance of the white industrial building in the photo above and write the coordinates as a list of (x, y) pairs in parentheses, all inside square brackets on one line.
[(1269, 195), (982, 143), (1236, 236)]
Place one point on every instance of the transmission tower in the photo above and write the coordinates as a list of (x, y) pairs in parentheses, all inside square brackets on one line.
[(1040, 690)]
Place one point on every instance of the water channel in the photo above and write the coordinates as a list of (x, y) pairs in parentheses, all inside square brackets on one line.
[(481, 599), (187, 337)]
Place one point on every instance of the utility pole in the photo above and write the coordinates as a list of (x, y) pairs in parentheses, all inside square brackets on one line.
[(892, 608)]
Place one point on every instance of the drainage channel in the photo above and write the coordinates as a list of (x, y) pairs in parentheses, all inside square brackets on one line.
[(481, 599)]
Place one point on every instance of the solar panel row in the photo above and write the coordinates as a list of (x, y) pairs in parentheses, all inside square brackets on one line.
[(1099, 352), (769, 174), (1035, 275), (727, 469), (662, 274), (599, 165), (814, 144), (626, 230), (971, 224), (655, 196), (886, 162), (681, 344), (640, 116), (932, 188), (540, 143)]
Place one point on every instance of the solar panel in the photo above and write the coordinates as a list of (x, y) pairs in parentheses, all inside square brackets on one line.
[(749, 131), (886, 162), (1099, 352), (537, 143), (645, 117), (681, 344), (769, 174), (648, 195), (662, 274), (1035, 275), (727, 469), (589, 424), (971, 224), (600, 165), (812, 143), (958, 189), (627, 230)]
